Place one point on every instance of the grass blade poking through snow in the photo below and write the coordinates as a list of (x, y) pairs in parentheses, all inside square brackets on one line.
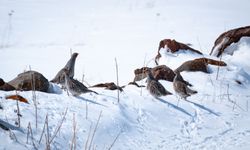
[(33, 86), (117, 80), (218, 69), (87, 141), (18, 114), (143, 72), (115, 140), (73, 141), (97, 123), (59, 126)]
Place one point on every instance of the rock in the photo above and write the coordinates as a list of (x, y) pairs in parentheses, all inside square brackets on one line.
[(227, 38), (173, 46), (161, 72), (5, 86), (199, 64), (1, 82), (24, 82)]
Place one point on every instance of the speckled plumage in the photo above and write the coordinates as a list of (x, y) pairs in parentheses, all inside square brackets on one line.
[(74, 86), (181, 88), (70, 67), (154, 87)]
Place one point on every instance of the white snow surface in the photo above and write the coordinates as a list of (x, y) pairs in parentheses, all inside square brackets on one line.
[(41, 33)]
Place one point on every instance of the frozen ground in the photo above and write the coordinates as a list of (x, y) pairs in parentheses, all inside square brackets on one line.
[(41, 33)]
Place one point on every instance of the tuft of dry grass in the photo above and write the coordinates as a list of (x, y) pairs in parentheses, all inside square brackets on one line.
[(117, 80)]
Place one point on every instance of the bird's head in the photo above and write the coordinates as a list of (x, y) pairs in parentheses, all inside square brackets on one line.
[(74, 55), (149, 74)]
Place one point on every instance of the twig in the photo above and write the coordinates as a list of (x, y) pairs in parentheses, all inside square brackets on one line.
[(73, 141), (83, 81), (91, 141), (18, 113), (94, 147), (83, 77), (47, 144), (86, 103), (33, 86), (143, 72), (198, 40), (71, 52), (87, 141), (12, 135), (30, 132), (234, 102), (58, 127), (47, 137), (218, 69), (117, 80), (115, 140), (43, 129)]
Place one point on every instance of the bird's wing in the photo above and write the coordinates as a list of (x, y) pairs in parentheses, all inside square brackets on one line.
[(58, 77), (190, 91), (161, 88), (181, 87), (79, 84)]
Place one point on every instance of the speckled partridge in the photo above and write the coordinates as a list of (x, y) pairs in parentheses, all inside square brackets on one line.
[(70, 67), (154, 87), (181, 87), (75, 87)]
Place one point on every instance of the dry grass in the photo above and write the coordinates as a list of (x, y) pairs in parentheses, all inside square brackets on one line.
[(117, 80)]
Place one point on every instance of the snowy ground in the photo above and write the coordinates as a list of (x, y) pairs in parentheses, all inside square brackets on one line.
[(41, 33)]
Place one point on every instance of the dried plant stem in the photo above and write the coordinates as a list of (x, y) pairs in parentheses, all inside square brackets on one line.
[(229, 99), (218, 69), (30, 133), (115, 140), (198, 40), (86, 115), (33, 86), (18, 113), (71, 52), (49, 139), (47, 144), (43, 129), (83, 77), (73, 141), (12, 135), (142, 72), (92, 138), (58, 127), (87, 141), (117, 80), (83, 80), (47, 135)]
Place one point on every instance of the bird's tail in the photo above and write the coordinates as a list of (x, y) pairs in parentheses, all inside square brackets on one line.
[(93, 92), (168, 93), (190, 91)]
